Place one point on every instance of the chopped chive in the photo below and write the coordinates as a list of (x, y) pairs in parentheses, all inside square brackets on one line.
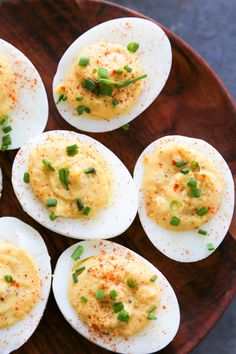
[(80, 204), (75, 277), (113, 294), (150, 316), (8, 278), (26, 177), (105, 89), (125, 127), (175, 205), (77, 253), (80, 270), (210, 247), (4, 120), (117, 306), (89, 84), (6, 142), (180, 163), (62, 97), (7, 129), (194, 166), (195, 192), (119, 71), (132, 283), (100, 295), (87, 110), (202, 211), (174, 221), (115, 101), (80, 110), (72, 150), (86, 210), (47, 165), (133, 47), (51, 203), (123, 316), (95, 70), (64, 177), (103, 73), (89, 170), (152, 308), (79, 98), (83, 299), (128, 69), (153, 278), (83, 61), (53, 216), (202, 232), (184, 170), (192, 183)]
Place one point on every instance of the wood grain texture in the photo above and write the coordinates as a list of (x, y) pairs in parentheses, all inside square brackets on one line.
[(193, 103)]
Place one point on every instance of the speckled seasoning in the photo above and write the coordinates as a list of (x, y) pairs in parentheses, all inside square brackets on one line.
[(154, 55), (119, 212), (158, 333), (21, 235), (188, 246)]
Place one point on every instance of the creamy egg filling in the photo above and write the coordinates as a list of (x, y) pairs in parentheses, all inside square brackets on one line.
[(182, 187), (104, 82), (19, 284), (71, 178), (114, 295)]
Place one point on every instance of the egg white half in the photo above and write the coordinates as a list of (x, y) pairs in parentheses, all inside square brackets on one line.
[(18, 233), (29, 117), (155, 336), (109, 222), (154, 54), (188, 246)]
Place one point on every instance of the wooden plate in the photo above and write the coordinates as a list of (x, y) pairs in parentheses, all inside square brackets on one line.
[(193, 102)]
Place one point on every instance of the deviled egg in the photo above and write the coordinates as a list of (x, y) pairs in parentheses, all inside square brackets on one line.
[(25, 280), (23, 99), (115, 298), (112, 73), (186, 196), (74, 185)]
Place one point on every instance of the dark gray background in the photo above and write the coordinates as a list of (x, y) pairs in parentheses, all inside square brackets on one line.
[(209, 26)]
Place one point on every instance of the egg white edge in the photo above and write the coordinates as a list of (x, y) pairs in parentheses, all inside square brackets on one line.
[(29, 116), (24, 236), (155, 336), (152, 40), (188, 246), (119, 213)]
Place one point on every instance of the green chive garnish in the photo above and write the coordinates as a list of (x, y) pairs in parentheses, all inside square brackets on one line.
[(113, 294), (64, 177), (128, 69), (80, 110), (4, 120), (195, 192), (6, 142), (117, 306), (62, 97), (80, 204), (75, 277), (105, 90), (7, 129), (79, 98), (87, 110), (152, 308), (95, 70), (150, 316), (132, 283), (103, 73), (100, 295), (125, 127), (202, 232), (175, 205), (119, 71), (86, 210), (194, 166), (123, 316), (184, 170), (8, 278), (77, 253), (83, 299), (72, 150), (83, 61), (180, 163), (47, 165), (202, 211), (53, 216), (192, 183), (89, 84), (133, 47), (80, 270), (210, 247), (89, 170), (174, 221), (26, 177), (153, 278), (51, 203), (115, 101)]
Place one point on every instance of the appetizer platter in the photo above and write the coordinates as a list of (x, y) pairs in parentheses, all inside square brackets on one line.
[(130, 153)]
